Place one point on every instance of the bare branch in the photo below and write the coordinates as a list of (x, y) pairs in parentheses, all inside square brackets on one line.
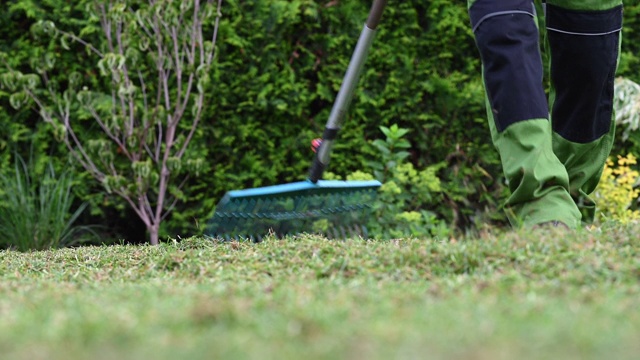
[(215, 33), (196, 30), (78, 150), (196, 121), (179, 112), (79, 40), (144, 216), (109, 134), (177, 64), (106, 25), (164, 74), (146, 204), (160, 141), (175, 200), (127, 107)]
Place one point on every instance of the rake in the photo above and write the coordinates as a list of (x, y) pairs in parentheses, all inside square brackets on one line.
[(333, 208)]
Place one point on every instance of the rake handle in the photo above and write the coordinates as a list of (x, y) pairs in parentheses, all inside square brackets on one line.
[(375, 14), (343, 99)]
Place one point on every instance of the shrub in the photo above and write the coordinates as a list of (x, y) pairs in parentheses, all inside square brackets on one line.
[(408, 197), (617, 191)]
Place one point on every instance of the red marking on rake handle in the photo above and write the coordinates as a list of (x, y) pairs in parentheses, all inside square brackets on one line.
[(315, 144)]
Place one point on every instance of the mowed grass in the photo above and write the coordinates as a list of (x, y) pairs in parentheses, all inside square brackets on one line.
[(546, 294)]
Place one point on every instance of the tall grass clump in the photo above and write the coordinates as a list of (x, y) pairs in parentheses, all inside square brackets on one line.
[(36, 210)]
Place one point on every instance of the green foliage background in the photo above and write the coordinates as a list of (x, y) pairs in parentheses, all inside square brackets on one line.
[(279, 65)]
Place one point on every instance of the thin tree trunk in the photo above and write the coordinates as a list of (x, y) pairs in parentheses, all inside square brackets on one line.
[(153, 234)]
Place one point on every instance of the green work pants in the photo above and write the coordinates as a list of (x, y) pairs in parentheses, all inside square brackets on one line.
[(552, 149)]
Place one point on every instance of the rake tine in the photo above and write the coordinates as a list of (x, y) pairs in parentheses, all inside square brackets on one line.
[(335, 233)]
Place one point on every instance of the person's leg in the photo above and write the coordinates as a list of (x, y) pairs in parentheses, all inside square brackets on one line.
[(508, 40), (584, 39)]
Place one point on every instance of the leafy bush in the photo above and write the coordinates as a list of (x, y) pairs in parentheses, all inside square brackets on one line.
[(408, 197), (36, 212), (617, 191)]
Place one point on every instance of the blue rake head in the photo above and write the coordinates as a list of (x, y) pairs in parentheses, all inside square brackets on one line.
[(336, 209)]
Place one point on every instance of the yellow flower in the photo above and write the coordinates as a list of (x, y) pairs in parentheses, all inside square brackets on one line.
[(615, 193)]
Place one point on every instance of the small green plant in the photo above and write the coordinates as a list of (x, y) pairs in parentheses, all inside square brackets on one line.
[(407, 195), (617, 191), (393, 150), (36, 211)]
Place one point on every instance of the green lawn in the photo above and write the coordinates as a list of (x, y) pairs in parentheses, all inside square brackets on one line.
[(543, 295)]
